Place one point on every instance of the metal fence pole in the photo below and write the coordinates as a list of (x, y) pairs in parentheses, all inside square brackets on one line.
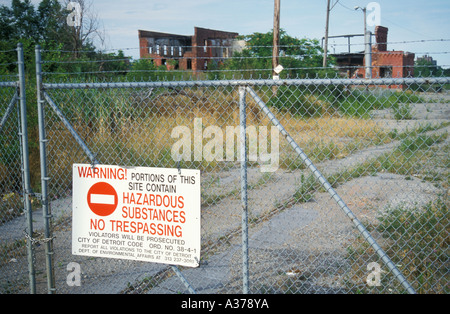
[(26, 166), (333, 193), (44, 177), (368, 54), (243, 159)]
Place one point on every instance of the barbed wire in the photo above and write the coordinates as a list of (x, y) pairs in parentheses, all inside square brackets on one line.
[(229, 58), (248, 46), (8, 64), (226, 62), (238, 56), (399, 69), (8, 51)]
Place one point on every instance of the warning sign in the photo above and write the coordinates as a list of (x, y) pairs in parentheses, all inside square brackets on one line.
[(137, 213)]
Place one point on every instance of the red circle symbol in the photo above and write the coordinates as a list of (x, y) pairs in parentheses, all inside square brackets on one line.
[(102, 199)]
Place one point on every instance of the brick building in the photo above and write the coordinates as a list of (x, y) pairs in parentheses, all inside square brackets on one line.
[(187, 52), (385, 64), (392, 64)]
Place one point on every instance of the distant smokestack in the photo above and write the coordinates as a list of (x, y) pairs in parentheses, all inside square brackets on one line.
[(381, 34)]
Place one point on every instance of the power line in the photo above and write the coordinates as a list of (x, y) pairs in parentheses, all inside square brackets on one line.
[(334, 5), (405, 28), (342, 5)]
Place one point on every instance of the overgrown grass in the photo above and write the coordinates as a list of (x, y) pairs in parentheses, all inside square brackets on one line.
[(359, 103), (305, 192), (419, 243), (11, 206), (402, 111), (415, 239), (411, 155), (352, 102), (312, 114)]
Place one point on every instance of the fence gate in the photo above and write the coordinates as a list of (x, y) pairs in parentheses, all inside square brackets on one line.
[(121, 124), (294, 175), (16, 226)]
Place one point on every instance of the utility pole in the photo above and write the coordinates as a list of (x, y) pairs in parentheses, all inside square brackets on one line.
[(325, 51), (276, 43), (276, 36)]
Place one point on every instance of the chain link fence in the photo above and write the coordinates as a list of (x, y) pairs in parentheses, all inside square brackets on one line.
[(343, 188), (16, 258)]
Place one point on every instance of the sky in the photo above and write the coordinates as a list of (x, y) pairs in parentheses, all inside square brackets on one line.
[(414, 26)]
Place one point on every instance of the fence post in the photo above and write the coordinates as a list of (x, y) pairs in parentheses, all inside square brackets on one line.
[(26, 166), (48, 241), (243, 159), (368, 54)]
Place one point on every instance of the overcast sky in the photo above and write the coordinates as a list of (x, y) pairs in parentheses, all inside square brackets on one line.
[(407, 20)]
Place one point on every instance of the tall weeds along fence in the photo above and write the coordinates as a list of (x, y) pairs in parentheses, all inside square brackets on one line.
[(341, 185)]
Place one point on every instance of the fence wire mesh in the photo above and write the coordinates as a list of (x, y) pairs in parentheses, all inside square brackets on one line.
[(382, 150), (382, 145), (16, 255)]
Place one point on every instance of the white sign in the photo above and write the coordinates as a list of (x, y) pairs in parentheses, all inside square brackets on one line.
[(137, 213)]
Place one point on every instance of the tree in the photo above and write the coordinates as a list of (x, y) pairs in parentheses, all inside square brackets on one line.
[(425, 67), (84, 35), (6, 22), (297, 56), (48, 24), (52, 21), (19, 21)]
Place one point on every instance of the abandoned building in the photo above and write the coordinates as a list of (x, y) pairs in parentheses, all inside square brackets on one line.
[(183, 52), (385, 64)]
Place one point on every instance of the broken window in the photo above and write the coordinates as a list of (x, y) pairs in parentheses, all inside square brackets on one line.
[(386, 72)]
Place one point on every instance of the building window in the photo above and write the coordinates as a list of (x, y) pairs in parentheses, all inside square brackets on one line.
[(386, 72)]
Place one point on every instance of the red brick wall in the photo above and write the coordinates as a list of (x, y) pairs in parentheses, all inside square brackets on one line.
[(381, 37), (143, 49), (202, 36), (193, 58), (394, 64)]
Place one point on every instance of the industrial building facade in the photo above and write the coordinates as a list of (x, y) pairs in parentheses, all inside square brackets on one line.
[(385, 64), (391, 64), (182, 52)]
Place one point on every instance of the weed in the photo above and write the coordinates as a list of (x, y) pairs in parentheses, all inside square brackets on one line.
[(416, 239), (420, 244), (305, 192), (11, 206), (402, 111)]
